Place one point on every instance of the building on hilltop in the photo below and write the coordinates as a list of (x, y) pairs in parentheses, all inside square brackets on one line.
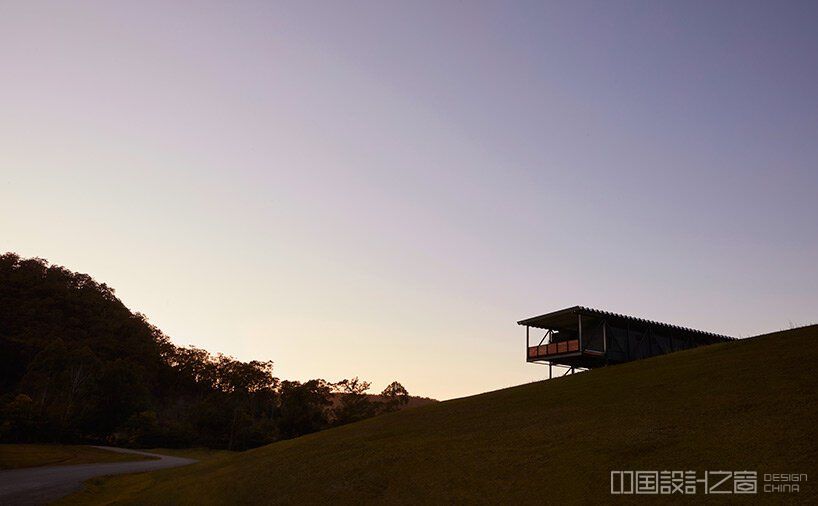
[(585, 338)]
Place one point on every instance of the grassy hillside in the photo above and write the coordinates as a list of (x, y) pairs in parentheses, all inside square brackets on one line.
[(14, 456), (743, 405)]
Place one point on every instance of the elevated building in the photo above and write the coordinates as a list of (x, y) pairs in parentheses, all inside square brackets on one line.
[(584, 338)]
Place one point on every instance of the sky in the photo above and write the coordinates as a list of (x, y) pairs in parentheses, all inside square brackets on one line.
[(382, 189)]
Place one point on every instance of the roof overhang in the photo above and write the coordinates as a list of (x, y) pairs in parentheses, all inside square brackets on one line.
[(568, 319)]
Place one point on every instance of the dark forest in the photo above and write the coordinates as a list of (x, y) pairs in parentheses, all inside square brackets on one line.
[(76, 365)]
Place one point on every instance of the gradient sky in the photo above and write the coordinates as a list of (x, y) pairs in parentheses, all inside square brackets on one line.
[(383, 189)]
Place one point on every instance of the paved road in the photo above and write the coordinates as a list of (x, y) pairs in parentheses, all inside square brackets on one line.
[(39, 485)]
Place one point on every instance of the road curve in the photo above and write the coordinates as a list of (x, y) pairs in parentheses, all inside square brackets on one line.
[(39, 485)]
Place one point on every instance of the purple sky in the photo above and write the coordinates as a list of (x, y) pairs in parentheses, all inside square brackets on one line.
[(382, 189)]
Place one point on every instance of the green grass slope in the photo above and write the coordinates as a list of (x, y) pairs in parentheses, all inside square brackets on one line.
[(746, 405)]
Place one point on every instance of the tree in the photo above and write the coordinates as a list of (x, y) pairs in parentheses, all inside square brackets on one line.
[(394, 397), (354, 403), (17, 420), (121, 393), (304, 407)]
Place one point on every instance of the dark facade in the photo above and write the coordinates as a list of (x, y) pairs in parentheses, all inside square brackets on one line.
[(581, 337)]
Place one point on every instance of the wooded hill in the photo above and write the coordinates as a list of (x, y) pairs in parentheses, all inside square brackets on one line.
[(76, 365)]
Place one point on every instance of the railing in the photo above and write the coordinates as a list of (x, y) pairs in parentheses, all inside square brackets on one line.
[(547, 350)]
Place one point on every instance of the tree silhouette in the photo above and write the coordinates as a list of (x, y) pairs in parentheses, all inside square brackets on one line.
[(77, 365), (394, 396)]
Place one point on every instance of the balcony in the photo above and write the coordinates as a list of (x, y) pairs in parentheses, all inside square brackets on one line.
[(553, 349)]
